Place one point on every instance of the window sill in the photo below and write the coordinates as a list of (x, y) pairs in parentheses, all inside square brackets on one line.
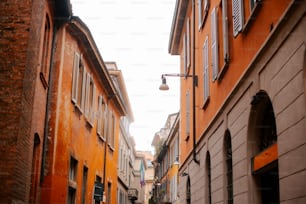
[(206, 102), (101, 137), (43, 80)]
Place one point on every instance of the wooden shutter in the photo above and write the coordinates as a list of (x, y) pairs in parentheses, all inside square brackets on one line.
[(185, 53), (200, 13), (237, 10), (76, 64), (187, 114), (87, 94), (188, 43), (225, 31), (82, 105), (99, 121), (214, 43), (205, 70), (93, 105)]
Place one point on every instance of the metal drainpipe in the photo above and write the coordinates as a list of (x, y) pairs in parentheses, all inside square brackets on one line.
[(194, 83)]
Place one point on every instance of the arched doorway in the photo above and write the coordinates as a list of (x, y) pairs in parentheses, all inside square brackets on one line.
[(262, 147)]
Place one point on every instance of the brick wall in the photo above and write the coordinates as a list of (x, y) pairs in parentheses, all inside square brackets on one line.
[(18, 63)]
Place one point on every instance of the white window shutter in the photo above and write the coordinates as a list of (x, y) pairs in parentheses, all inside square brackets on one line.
[(99, 115), (225, 31), (105, 121), (74, 90), (238, 19), (93, 105), (200, 13), (187, 114), (87, 92), (206, 68), (82, 105), (188, 43), (185, 53), (214, 43)]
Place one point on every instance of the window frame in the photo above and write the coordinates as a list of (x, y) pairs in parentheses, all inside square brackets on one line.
[(203, 8), (206, 81)]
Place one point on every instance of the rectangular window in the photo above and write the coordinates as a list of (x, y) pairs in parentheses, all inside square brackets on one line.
[(205, 71), (73, 169), (101, 117), (109, 193), (84, 184), (214, 44), (187, 114), (76, 65), (78, 82), (45, 60), (72, 180), (188, 44), (111, 129), (238, 20), (71, 195), (90, 100), (203, 6)]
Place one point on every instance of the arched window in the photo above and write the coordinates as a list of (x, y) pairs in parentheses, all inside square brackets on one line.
[(208, 179), (188, 191), (263, 149), (229, 167)]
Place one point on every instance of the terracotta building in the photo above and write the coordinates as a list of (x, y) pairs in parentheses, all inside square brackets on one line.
[(84, 124), (242, 125)]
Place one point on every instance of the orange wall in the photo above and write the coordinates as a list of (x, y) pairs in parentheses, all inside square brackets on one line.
[(70, 135), (242, 50)]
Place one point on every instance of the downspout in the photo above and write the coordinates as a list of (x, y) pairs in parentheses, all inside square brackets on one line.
[(194, 84)]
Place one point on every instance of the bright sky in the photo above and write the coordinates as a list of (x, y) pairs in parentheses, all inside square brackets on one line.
[(135, 34)]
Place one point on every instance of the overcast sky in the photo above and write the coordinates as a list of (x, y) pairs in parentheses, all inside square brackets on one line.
[(135, 34)]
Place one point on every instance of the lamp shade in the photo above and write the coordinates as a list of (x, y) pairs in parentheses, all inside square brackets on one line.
[(164, 85)]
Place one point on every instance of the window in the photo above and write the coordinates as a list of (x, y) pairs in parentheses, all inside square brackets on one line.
[(98, 190), (72, 180), (78, 82), (111, 129), (109, 193), (90, 102), (203, 6), (205, 71), (84, 184), (187, 115), (238, 20), (73, 169), (101, 117), (45, 59), (229, 167), (187, 48), (71, 195), (214, 44), (219, 33), (208, 179)]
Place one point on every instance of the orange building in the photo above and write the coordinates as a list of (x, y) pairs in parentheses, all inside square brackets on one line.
[(243, 112), (84, 122)]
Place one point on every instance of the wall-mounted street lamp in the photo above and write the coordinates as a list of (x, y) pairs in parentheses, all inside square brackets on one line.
[(165, 87)]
